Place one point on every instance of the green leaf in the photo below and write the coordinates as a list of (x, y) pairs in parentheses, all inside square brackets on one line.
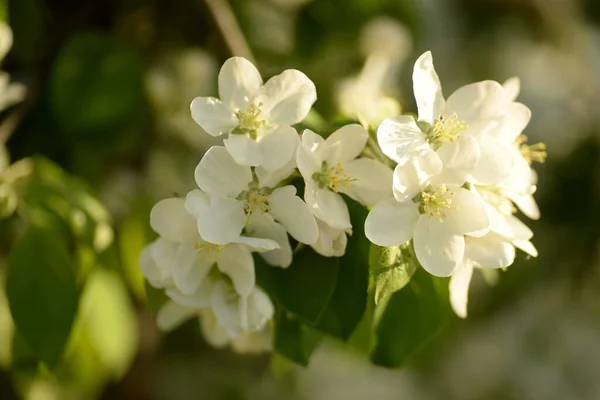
[(303, 289), (42, 292), (391, 268), (95, 84), (134, 234), (410, 318), (108, 315), (51, 189), (292, 339), (349, 300), (156, 298)]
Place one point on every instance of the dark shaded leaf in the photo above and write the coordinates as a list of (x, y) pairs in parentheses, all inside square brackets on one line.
[(42, 292)]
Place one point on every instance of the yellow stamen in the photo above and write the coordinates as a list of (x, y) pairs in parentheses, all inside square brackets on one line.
[(210, 251), (250, 121), (433, 202), (333, 178), (446, 128), (256, 199), (535, 152)]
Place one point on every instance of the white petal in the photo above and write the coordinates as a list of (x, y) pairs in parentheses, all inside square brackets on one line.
[(259, 310), (467, 214), (272, 178), (149, 268), (438, 250), (480, 100), (490, 251), (309, 156), (244, 150), (526, 246), (257, 244), (400, 138), (391, 223), (331, 242), (495, 163), (293, 214), (164, 254), (190, 267), (512, 88), (200, 298), (373, 181), (346, 143), (459, 289), (219, 174), (239, 83), (213, 116), (526, 204), (278, 147), (220, 221), (214, 333), (286, 98), (516, 119), (170, 220), (224, 302), (328, 206), (171, 315), (459, 158), (413, 176), (236, 261), (427, 88), (263, 226)]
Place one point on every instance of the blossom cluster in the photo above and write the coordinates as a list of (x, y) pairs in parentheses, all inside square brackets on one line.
[(11, 93), (245, 204), (463, 169)]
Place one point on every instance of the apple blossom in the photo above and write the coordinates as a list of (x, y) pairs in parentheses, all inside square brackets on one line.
[(332, 166), (257, 117)]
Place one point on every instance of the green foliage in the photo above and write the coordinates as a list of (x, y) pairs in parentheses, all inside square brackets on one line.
[(42, 292), (305, 288), (391, 268), (409, 319), (95, 84), (292, 339), (349, 300), (56, 199)]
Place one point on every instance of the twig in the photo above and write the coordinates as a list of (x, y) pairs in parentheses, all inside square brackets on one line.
[(230, 29)]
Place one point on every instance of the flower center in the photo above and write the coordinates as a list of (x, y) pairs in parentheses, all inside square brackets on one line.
[(534, 152), (256, 199), (208, 251), (250, 121), (433, 202), (445, 128), (333, 178)]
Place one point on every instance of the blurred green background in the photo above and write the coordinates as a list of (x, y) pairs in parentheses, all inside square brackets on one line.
[(106, 118)]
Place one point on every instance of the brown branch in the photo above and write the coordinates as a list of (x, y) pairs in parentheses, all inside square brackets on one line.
[(230, 29)]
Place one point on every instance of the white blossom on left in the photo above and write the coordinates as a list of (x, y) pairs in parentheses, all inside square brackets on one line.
[(257, 117)]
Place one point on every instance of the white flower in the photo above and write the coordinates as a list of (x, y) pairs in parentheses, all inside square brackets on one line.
[(235, 198), (452, 135), (332, 242), (436, 220), (520, 185), (363, 96), (230, 320), (257, 117), (10, 93), (330, 167), (180, 260), (249, 342), (494, 250)]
